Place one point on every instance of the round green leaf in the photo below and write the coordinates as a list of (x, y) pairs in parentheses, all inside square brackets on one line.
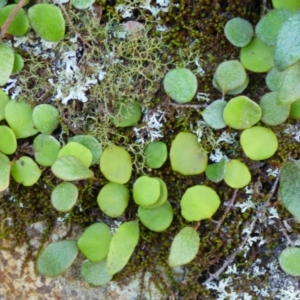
[(64, 196), (272, 113), (5, 172), (289, 90), (257, 57), (156, 219), (156, 154), (56, 258), (18, 115), (258, 142), (95, 273), (215, 172), (237, 174), (239, 32), (129, 114), (241, 112), (4, 99), (287, 50), (46, 149), (91, 143), (213, 114), (18, 64), (289, 261), (115, 164), (94, 242), (199, 202), (113, 199), (122, 246), (146, 190), (184, 248), (70, 168), (7, 58), (181, 85), (291, 5), (82, 4), (47, 21), (163, 194), (229, 76), (187, 155), (45, 118), (19, 25), (269, 25), (8, 142), (77, 150), (289, 188), (295, 109), (25, 171)]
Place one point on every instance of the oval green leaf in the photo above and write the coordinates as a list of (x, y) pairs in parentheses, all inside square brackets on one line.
[(64, 196), (259, 143), (215, 172), (115, 164), (18, 64), (213, 114), (289, 261), (56, 258), (237, 174), (291, 5), (129, 114), (94, 242), (241, 112), (156, 154), (180, 84), (199, 202), (187, 155), (257, 57), (239, 32), (70, 168), (146, 190), (47, 21), (113, 199), (18, 115), (8, 141), (122, 246), (184, 248), (46, 148), (95, 273), (25, 171), (45, 118), (156, 219), (230, 75)]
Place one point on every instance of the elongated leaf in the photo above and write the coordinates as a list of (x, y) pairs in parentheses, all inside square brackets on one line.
[(122, 246), (289, 189), (70, 168), (57, 257), (184, 247)]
